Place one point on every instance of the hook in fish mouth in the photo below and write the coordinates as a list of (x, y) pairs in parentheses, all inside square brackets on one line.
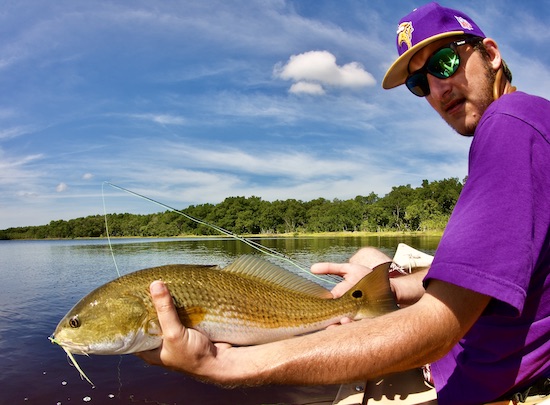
[(73, 348)]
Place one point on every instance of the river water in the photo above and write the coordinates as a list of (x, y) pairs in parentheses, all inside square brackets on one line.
[(41, 280)]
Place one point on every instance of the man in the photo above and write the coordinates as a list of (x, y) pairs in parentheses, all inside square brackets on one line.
[(483, 319)]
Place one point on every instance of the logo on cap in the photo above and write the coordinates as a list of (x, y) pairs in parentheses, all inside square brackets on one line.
[(404, 34), (464, 23)]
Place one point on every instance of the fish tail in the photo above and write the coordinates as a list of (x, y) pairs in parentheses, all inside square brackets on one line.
[(375, 292)]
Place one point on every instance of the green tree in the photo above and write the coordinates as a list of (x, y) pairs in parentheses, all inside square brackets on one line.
[(315, 214), (424, 208), (290, 215), (395, 203)]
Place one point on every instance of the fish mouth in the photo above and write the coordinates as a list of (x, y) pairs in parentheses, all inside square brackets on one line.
[(70, 347), (123, 344)]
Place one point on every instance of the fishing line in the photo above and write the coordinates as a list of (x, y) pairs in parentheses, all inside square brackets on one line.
[(251, 243), (119, 377), (107, 228)]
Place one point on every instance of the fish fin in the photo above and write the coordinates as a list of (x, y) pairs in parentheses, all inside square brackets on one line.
[(375, 290), (257, 268)]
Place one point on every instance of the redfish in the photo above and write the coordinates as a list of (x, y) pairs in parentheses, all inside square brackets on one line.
[(251, 301)]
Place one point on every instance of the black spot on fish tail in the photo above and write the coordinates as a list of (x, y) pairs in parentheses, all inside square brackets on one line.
[(375, 290)]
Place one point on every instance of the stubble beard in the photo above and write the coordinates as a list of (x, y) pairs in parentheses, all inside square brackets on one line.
[(484, 101)]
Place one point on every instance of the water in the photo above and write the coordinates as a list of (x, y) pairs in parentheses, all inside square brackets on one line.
[(41, 280)]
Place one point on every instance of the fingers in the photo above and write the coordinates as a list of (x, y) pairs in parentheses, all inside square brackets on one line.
[(351, 273), (169, 321), (182, 349), (343, 321), (345, 270), (329, 268), (341, 288)]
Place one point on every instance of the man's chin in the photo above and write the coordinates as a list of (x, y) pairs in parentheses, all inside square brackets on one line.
[(462, 126)]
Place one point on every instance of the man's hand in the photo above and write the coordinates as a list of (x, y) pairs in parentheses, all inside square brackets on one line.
[(359, 265), (182, 349), (351, 272)]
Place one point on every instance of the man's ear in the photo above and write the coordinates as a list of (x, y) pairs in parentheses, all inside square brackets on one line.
[(493, 53)]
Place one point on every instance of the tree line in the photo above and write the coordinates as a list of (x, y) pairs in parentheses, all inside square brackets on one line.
[(404, 208)]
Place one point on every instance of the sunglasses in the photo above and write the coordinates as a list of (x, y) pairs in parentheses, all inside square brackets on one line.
[(442, 64)]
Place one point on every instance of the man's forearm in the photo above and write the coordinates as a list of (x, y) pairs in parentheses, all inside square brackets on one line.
[(358, 351), (397, 341)]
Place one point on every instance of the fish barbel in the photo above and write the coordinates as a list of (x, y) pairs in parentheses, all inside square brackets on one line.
[(251, 301)]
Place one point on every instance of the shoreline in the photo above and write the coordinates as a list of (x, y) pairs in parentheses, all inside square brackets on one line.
[(343, 234)]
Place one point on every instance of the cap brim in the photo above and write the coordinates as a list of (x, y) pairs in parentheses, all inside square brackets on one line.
[(399, 70)]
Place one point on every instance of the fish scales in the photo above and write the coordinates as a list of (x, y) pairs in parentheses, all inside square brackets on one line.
[(229, 299)]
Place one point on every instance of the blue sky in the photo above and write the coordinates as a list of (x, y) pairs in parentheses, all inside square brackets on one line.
[(190, 102)]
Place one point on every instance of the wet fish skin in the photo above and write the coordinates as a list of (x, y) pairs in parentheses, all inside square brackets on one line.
[(249, 302)]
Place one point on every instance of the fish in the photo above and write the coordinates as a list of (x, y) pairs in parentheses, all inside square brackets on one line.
[(251, 301)]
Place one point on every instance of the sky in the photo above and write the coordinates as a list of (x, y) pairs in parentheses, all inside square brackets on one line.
[(191, 102)]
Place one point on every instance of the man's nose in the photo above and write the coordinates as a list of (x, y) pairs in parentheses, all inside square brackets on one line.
[(439, 88)]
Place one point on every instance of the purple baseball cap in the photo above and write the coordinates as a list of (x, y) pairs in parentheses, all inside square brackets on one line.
[(423, 26)]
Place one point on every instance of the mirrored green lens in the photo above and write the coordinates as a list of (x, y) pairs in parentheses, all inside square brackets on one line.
[(444, 63)]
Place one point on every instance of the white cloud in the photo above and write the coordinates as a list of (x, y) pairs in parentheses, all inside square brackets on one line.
[(162, 119), (15, 169), (308, 88), (26, 194), (289, 164), (87, 176), (314, 69), (13, 132), (61, 187)]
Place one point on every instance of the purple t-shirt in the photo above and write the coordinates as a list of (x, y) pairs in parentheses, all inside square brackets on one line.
[(497, 243)]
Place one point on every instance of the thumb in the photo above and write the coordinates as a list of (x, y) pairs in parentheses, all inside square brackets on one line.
[(169, 321)]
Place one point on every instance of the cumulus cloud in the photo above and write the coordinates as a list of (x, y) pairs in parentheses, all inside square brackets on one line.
[(308, 88), (312, 71), (87, 176), (61, 187)]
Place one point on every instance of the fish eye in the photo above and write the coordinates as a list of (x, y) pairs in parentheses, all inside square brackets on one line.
[(357, 294), (74, 322)]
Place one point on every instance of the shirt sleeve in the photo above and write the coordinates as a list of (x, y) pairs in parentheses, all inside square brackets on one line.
[(487, 245)]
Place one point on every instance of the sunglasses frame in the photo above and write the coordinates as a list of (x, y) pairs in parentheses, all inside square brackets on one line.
[(419, 80)]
